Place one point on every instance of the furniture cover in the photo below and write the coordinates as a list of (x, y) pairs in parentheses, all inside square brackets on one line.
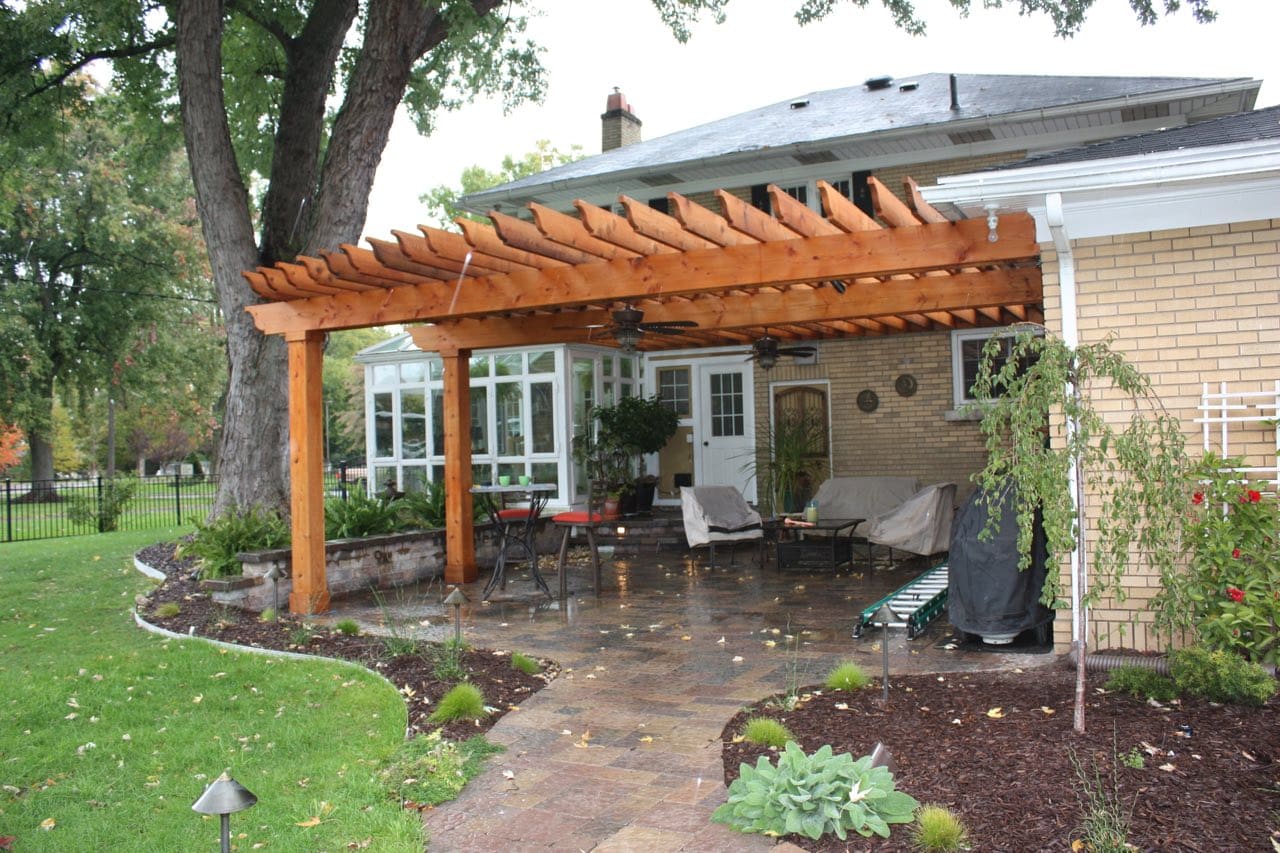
[(863, 497), (718, 514), (920, 525)]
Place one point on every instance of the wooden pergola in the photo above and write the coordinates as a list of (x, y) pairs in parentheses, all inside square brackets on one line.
[(555, 278)]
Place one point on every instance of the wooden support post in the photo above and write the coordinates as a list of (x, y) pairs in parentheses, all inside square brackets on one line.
[(306, 470), (460, 543)]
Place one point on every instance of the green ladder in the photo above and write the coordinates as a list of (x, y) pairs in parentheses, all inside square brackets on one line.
[(914, 605)]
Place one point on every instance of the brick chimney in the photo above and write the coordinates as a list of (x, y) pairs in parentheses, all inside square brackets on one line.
[(618, 125)]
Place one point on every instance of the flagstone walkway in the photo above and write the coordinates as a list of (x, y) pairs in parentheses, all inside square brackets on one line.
[(621, 752)]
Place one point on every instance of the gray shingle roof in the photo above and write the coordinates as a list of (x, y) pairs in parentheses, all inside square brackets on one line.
[(857, 110)]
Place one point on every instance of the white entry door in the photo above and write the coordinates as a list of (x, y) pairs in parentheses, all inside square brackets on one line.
[(725, 432)]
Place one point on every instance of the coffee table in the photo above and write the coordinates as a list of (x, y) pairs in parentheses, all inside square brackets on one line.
[(829, 551)]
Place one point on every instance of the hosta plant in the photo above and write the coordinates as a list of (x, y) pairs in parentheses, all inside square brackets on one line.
[(813, 795)]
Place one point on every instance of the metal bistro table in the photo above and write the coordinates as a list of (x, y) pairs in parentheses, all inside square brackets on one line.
[(829, 551), (517, 527)]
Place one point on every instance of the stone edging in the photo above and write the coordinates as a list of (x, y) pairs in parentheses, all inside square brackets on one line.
[(235, 647)]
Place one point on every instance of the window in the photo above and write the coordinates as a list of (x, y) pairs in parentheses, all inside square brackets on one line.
[(966, 356), (728, 405), (800, 192), (673, 389)]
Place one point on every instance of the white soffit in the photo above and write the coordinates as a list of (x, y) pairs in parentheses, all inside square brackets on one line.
[(1126, 195)]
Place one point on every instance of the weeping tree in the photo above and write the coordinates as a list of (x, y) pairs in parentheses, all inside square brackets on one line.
[(1110, 491)]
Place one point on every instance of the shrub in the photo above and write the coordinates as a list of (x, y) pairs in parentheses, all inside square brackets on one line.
[(429, 770), (360, 515), (103, 509), (847, 676), (938, 829), (1220, 676), (424, 510), (446, 659), (812, 795), (463, 702), (766, 731), (216, 543), (525, 664), (168, 610), (347, 627), (270, 614), (1141, 683)]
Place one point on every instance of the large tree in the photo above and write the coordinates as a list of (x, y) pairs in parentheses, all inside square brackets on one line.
[(256, 81)]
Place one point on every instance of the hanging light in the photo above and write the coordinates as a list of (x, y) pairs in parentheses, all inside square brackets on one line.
[(627, 337), (992, 222), (767, 359)]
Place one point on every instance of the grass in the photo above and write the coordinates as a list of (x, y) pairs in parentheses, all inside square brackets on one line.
[(525, 664), (115, 732), (938, 830), (428, 771), (847, 676), (463, 702), (766, 731)]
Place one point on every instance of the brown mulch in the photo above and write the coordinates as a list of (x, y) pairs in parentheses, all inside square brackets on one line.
[(1010, 776), (490, 670)]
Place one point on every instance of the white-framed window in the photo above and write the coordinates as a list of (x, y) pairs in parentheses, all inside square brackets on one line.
[(966, 355)]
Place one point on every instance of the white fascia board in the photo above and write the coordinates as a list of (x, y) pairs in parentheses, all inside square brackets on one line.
[(1199, 186)]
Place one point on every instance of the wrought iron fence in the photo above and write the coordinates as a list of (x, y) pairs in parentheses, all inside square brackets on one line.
[(47, 509)]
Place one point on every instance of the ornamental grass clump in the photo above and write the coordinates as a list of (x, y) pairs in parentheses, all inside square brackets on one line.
[(1220, 676), (813, 795), (765, 731), (525, 664), (847, 676), (463, 702), (939, 830)]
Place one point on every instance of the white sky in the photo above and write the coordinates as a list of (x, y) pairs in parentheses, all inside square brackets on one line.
[(760, 56)]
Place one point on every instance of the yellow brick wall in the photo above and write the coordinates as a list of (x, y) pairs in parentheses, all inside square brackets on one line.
[(1186, 306)]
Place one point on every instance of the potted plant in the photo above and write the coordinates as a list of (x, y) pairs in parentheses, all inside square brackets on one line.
[(638, 426), (795, 457), (606, 464)]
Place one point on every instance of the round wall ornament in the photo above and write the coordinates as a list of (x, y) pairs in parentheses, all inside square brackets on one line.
[(868, 401), (905, 384)]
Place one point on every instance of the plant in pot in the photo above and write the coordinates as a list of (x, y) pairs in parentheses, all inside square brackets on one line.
[(607, 466), (639, 426), (796, 455)]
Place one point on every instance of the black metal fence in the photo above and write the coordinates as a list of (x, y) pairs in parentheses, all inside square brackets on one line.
[(47, 509)]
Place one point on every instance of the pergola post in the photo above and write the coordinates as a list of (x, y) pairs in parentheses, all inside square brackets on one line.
[(306, 470), (460, 544)]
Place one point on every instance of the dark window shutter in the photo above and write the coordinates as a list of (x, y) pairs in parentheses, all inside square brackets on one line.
[(862, 193), (760, 197), (662, 204)]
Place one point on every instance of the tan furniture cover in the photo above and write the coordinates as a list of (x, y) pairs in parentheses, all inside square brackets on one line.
[(863, 497), (920, 525)]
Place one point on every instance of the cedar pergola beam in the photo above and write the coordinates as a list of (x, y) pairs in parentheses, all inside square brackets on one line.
[(843, 257)]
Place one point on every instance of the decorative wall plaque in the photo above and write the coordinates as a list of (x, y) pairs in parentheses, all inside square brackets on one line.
[(868, 401), (905, 384)]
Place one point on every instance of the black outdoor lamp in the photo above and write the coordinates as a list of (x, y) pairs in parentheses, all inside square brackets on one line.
[(883, 617), (224, 797)]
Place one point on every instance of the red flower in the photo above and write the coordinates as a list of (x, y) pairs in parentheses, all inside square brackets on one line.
[(1197, 498), (1236, 595), (1254, 497), (1235, 553)]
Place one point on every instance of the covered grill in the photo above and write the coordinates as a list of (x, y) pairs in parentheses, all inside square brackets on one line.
[(987, 594)]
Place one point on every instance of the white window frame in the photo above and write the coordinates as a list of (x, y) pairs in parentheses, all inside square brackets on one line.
[(959, 398)]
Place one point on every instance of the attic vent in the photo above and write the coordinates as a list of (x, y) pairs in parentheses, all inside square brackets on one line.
[(965, 137), (1146, 112), (812, 158), (876, 83), (909, 87), (800, 104), (660, 180)]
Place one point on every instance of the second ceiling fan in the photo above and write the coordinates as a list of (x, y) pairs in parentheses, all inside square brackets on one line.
[(628, 327), (766, 351)]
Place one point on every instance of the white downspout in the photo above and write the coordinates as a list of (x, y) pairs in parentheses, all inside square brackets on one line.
[(1071, 337)]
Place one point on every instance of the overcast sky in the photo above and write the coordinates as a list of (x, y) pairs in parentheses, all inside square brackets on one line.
[(760, 56)]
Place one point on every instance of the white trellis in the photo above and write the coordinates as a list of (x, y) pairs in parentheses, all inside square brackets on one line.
[(1224, 409)]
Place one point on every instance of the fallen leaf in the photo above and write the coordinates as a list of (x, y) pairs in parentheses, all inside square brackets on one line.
[(995, 713), (48, 823), (1077, 845), (508, 774), (309, 822), (737, 658), (770, 643), (647, 739), (842, 706), (1046, 710), (686, 637), (720, 641), (1168, 768)]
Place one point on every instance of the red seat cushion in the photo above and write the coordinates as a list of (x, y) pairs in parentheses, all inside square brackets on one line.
[(515, 514), (577, 517)]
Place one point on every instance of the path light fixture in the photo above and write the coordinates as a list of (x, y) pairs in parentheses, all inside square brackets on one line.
[(274, 574), (455, 599), (881, 757), (883, 617), (224, 797)]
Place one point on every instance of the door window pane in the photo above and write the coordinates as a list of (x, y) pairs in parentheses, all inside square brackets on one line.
[(413, 425), (728, 407), (673, 389), (383, 426)]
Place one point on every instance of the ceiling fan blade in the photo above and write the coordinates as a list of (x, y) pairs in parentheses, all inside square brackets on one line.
[(800, 352), (663, 330), (669, 324)]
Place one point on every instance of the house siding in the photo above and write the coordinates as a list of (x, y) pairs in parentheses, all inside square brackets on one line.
[(1186, 306)]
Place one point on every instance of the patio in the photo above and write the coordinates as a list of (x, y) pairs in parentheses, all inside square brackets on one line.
[(622, 750)]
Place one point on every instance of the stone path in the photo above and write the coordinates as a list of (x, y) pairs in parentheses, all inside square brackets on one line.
[(622, 751)]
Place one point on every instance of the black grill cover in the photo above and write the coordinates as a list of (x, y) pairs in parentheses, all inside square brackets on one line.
[(986, 593)]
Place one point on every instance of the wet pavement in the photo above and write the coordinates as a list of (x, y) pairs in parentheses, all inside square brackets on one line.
[(622, 750)]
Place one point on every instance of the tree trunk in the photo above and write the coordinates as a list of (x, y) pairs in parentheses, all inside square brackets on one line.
[(41, 449)]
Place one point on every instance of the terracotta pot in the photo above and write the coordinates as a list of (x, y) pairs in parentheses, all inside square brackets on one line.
[(612, 508)]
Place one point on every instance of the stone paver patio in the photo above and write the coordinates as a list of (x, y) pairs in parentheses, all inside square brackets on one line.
[(621, 752)]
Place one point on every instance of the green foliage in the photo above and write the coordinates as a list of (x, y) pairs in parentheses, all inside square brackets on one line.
[(446, 661), (425, 510), (812, 795), (360, 515), (168, 610), (103, 510), (525, 664), (347, 627), (269, 614), (1229, 593), (302, 634), (216, 543), (1133, 759), (1132, 475), (399, 639), (463, 702), (939, 830), (1220, 676), (429, 770), (847, 676), (1141, 683), (766, 731), (1104, 820), (442, 200), (796, 455)]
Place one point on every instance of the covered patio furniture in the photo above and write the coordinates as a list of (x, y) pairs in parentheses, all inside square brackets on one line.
[(587, 520), (919, 525), (718, 514), (863, 497)]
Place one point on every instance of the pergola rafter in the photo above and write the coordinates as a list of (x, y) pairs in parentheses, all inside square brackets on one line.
[(556, 278)]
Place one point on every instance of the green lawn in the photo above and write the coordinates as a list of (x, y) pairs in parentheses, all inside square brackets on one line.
[(108, 733)]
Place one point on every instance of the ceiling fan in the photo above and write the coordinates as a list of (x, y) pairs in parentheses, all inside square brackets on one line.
[(628, 327), (765, 351)]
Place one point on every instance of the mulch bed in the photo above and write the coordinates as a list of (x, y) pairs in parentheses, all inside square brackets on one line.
[(489, 670), (1010, 775)]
